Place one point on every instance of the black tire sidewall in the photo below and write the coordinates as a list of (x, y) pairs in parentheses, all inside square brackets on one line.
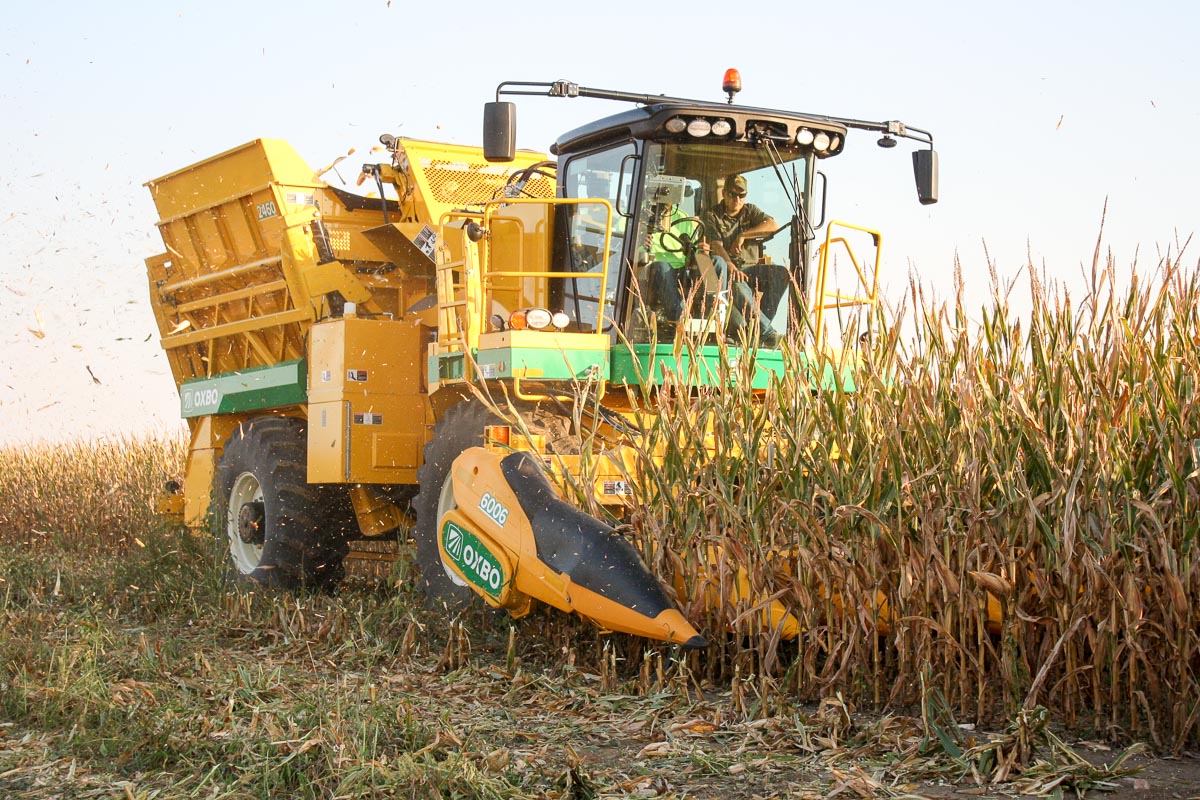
[(459, 429), (302, 544)]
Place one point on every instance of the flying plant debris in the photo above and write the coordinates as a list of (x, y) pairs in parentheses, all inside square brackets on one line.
[(332, 165), (39, 331)]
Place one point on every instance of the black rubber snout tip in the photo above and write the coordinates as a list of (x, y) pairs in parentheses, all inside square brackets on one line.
[(697, 642)]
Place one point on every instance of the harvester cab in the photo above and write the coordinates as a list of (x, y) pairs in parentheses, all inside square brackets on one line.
[(335, 353), (714, 215)]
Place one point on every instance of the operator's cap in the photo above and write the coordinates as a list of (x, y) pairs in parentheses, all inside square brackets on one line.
[(735, 183)]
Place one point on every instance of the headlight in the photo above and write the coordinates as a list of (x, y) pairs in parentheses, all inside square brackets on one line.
[(560, 320), (804, 137), (676, 125), (821, 142), (538, 318), (699, 127), (721, 127), (835, 142)]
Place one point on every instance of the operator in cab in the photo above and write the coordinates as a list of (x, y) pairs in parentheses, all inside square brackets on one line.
[(729, 228), (675, 267)]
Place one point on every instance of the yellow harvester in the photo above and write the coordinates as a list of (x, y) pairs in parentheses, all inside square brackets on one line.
[(331, 349)]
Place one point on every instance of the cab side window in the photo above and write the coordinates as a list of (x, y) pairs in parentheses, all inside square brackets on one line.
[(595, 175)]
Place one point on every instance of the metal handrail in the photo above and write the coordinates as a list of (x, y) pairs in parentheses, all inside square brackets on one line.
[(821, 295), (488, 274)]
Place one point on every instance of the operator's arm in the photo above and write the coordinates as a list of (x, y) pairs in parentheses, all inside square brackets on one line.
[(716, 247), (758, 223), (761, 229)]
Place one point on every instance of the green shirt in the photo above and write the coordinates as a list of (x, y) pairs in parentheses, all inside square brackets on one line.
[(677, 259)]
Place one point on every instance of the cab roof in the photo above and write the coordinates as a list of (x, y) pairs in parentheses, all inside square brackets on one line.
[(647, 121)]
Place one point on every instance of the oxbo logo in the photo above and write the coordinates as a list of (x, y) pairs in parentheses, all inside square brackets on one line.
[(454, 542), (201, 398), (493, 508), (473, 558)]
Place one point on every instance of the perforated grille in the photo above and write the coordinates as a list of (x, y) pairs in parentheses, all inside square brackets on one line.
[(462, 183), (540, 187)]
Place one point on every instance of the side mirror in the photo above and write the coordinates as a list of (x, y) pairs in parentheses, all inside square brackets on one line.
[(499, 131), (925, 168)]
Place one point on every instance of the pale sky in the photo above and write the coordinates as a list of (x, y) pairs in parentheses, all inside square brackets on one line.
[(1040, 111)]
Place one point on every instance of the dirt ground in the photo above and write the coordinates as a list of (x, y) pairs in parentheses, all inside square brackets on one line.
[(1177, 778), (1157, 778)]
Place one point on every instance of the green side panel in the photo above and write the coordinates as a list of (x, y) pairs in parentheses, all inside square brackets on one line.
[(447, 366), (474, 559), (644, 363), (282, 384), (544, 364)]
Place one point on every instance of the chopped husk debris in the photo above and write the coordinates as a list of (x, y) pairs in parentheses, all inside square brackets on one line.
[(367, 694)]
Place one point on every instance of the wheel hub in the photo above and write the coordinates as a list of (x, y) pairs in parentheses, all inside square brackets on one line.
[(250, 522)]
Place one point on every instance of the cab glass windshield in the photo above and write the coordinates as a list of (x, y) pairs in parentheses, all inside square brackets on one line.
[(714, 244)]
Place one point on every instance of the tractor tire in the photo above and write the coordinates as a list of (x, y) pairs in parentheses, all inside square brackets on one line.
[(459, 429), (278, 529)]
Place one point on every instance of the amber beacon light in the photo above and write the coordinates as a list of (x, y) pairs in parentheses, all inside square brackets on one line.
[(732, 83)]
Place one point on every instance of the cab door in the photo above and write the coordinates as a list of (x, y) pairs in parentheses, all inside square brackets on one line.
[(607, 174)]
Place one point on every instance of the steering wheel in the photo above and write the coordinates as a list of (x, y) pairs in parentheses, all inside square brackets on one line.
[(673, 241)]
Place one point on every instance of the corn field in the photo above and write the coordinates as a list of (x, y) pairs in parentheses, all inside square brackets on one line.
[(1004, 515), (85, 493)]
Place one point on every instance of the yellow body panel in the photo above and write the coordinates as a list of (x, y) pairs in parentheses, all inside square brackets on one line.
[(376, 514), (209, 435), (450, 176), (368, 410), (545, 340), (223, 295), (235, 173), (240, 280)]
